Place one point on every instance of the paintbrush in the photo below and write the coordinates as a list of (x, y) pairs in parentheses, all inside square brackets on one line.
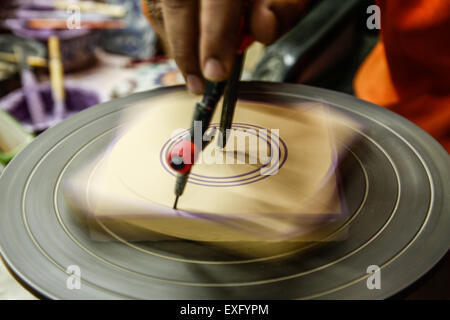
[(7, 67), (50, 14), (56, 78), (112, 10), (33, 99), (62, 24), (32, 61)]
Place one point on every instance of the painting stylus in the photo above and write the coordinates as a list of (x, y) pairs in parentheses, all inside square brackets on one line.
[(183, 155), (56, 78), (32, 61)]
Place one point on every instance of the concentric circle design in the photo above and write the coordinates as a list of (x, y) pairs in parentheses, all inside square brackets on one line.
[(262, 171), (395, 181)]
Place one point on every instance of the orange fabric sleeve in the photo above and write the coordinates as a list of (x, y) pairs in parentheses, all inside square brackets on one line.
[(409, 70)]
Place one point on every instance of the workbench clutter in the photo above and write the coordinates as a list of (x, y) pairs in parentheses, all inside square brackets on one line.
[(137, 39), (38, 106), (160, 72), (76, 100), (13, 137), (9, 64), (77, 24), (18, 55), (40, 49)]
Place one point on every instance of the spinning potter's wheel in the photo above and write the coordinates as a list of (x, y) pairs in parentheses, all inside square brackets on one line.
[(394, 180)]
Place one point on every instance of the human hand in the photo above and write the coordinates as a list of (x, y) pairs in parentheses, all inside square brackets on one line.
[(203, 34)]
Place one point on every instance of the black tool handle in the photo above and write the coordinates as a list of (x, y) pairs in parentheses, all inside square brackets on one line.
[(229, 101), (204, 110), (203, 113)]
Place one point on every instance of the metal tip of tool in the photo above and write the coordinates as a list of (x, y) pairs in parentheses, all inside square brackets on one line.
[(175, 203), (224, 142)]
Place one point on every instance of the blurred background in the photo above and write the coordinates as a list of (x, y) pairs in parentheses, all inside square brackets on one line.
[(60, 57)]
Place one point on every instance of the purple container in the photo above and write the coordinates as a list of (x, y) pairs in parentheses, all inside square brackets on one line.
[(77, 99), (77, 46)]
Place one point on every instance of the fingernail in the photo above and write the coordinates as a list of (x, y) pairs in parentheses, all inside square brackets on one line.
[(214, 70), (194, 84)]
